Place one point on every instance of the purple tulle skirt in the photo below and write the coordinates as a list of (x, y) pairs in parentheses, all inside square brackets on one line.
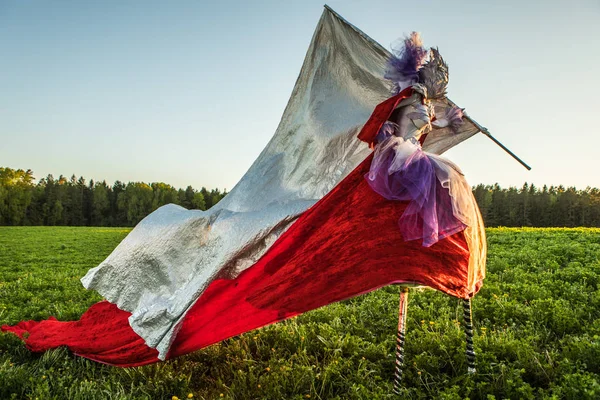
[(440, 200)]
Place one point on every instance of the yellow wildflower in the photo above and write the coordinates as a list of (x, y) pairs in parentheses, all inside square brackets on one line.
[(268, 369), (190, 396)]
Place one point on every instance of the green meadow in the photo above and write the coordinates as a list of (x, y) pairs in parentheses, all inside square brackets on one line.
[(537, 331)]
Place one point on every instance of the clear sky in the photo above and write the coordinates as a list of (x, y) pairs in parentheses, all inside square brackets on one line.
[(189, 92)]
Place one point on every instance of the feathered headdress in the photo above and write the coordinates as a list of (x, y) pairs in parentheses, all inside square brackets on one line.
[(405, 62), (434, 75)]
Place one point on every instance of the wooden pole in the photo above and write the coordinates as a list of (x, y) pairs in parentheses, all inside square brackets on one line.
[(489, 135)]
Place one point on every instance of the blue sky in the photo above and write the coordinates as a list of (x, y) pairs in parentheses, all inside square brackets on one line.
[(189, 92)]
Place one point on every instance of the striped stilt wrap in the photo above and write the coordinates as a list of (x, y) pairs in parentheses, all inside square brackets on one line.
[(400, 339), (468, 314)]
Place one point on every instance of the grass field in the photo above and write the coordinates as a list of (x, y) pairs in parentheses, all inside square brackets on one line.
[(537, 323)]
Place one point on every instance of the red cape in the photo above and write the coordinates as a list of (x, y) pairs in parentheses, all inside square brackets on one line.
[(381, 114)]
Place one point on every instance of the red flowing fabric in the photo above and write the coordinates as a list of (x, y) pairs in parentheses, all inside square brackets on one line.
[(381, 113), (347, 244), (102, 334)]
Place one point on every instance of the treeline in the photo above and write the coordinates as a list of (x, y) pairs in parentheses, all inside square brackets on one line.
[(554, 206), (75, 202)]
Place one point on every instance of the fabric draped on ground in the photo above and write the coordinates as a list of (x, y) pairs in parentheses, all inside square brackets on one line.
[(345, 245)]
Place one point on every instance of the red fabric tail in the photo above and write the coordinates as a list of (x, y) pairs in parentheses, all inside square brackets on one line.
[(102, 334)]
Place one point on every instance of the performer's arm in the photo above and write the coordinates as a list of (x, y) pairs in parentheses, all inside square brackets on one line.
[(452, 119), (439, 123)]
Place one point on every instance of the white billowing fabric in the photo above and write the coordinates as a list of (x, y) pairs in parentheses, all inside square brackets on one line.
[(161, 268)]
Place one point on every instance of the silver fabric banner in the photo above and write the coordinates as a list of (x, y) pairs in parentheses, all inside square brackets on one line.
[(162, 267)]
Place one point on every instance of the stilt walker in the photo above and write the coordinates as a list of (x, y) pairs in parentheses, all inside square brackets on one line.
[(440, 202)]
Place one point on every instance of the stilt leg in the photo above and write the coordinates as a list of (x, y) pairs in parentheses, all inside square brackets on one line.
[(400, 339), (469, 332)]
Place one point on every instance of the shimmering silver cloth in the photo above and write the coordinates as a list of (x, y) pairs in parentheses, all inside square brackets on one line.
[(159, 270)]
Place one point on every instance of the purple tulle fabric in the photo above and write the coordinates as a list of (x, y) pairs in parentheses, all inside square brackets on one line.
[(429, 215)]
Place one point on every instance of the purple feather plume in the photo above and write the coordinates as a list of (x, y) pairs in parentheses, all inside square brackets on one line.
[(405, 62)]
